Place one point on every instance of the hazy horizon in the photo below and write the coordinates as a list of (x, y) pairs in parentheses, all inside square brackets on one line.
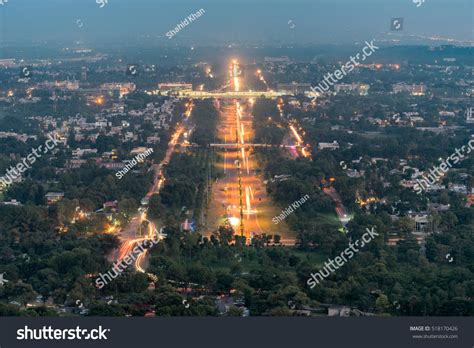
[(253, 22)]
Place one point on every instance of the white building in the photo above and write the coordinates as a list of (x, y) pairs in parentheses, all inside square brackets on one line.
[(416, 90), (470, 115), (331, 146)]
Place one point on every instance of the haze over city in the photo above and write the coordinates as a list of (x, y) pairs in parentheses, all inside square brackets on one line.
[(243, 22)]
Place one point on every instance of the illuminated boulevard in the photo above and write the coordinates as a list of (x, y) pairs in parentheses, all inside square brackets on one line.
[(240, 193), (240, 197)]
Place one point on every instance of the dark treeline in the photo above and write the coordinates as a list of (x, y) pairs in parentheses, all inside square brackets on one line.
[(205, 117), (267, 122)]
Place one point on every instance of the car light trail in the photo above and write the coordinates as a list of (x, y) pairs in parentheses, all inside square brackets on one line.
[(261, 78), (139, 261), (303, 151), (295, 133), (235, 75), (189, 109), (299, 141), (247, 200)]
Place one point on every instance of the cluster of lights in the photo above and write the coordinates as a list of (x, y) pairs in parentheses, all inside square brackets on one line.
[(79, 214), (209, 73), (260, 77), (361, 202)]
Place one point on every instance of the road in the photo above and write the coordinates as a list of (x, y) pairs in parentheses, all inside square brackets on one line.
[(241, 195), (241, 192), (159, 179), (341, 211), (132, 234), (299, 143)]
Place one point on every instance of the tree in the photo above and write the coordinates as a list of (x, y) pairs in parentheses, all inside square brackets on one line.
[(235, 311), (225, 234), (382, 304), (276, 239), (128, 207), (155, 207)]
